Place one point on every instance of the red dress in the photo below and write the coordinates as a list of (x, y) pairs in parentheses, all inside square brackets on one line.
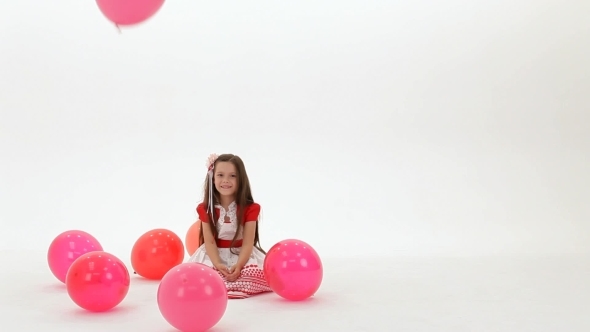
[(251, 280)]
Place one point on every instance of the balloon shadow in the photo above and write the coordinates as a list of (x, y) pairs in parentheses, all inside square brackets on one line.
[(54, 288), (118, 310), (310, 301), (213, 329), (144, 281)]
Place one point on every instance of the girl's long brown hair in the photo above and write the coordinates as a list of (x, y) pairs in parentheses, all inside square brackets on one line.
[(243, 199)]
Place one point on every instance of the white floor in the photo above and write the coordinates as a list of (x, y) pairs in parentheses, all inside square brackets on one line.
[(411, 294)]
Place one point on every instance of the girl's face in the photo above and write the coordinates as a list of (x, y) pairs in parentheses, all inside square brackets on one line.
[(226, 178)]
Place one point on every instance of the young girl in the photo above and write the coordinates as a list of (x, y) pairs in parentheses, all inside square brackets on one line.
[(229, 228)]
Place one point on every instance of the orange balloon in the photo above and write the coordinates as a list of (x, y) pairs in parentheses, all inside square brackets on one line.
[(156, 252), (192, 238)]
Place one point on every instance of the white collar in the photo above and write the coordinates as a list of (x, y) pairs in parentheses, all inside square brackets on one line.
[(231, 206)]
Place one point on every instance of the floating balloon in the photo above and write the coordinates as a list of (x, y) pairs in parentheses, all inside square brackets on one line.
[(192, 240), (192, 297), (293, 269), (97, 281), (129, 12), (156, 252), (66, 248)]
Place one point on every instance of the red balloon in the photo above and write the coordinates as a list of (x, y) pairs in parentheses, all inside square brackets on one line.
[(156, 252), (129, 12), (97, 281), (293, 269)]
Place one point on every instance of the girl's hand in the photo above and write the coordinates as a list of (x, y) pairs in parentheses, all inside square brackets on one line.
[(222, 268), (234, 273)]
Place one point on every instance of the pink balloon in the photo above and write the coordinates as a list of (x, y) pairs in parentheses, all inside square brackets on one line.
[(293, 269), (192, 297), (98, 281), (66, 248), (129, 12)]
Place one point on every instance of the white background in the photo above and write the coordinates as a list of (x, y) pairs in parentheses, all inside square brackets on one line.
[(367, 127)]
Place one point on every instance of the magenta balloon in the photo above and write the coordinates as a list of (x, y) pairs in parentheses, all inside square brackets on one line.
[(98, 281), (293, 269), (129, 12), (192, 297), (66, 248)]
